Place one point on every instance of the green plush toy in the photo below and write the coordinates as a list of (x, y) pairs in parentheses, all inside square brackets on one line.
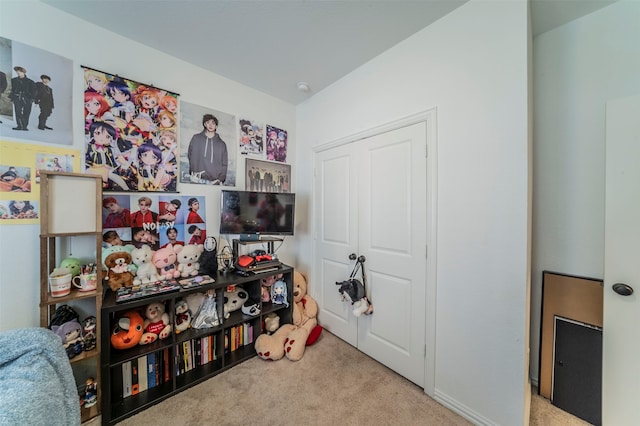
[(72, 264)]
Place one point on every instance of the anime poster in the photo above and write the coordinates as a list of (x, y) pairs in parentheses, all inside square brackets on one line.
[(153, 220), (35, 94), (276, 144), (208, 148), (131, 134), (251, 139), (266, 176), (20, 165)]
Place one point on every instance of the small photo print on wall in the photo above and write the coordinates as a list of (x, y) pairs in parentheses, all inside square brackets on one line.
[(276, 144), (251, 139), (18, 209), (266, 176), (208, 147), (15, 179), (53, 162)]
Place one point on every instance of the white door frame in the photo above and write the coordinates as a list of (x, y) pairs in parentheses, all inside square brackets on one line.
[(428, 117)]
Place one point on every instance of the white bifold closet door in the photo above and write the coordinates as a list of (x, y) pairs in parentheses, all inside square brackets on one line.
[(370, 198)]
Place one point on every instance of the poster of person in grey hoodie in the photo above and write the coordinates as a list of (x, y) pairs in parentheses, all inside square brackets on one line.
[(208, 157)]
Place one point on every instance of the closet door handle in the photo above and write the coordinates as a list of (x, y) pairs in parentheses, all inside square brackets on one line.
[(623, 289), (352, 256)]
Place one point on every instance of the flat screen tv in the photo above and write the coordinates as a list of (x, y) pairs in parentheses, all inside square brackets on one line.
[(252, 214)]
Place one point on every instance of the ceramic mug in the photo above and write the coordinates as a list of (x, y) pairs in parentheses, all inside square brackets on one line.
[(85, 282), (59, 284)]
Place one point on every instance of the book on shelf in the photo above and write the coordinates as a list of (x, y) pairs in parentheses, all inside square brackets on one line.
[(143, 378), (135, 389), (151, 370), (126, 379), (166, 365)]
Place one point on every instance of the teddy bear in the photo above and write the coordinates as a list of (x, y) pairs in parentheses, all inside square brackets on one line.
[(116, 260), (142, 258), (271, 322), (188, 256), (183, 316), (290, 340), (165, 260), (156, 324)]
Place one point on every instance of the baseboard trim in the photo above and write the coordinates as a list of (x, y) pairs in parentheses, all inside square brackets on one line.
[(461, 409)]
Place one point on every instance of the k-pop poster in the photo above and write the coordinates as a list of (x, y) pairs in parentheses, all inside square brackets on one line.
[(276, 144), (208, 146), (131, 133), (35, 94), (152, 219)]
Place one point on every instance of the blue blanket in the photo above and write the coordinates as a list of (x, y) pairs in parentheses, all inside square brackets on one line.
[(37, 386)]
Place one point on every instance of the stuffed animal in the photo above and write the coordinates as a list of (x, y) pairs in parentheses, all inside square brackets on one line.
[(71, 335), (116, 260), (352, 291), (271, 322), (233, 300), (183, 316), (72, 264), (188, 256), (209, 258), (156, 324), (127, 331), (251, 307), (265, 286), (147, 272), (304, 331), (165, 260)]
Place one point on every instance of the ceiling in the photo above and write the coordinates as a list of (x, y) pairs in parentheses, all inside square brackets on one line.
[(272, 45)]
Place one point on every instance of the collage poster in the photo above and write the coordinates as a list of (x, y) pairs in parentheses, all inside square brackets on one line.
[(20, 166), (153, 219), (131, 133)]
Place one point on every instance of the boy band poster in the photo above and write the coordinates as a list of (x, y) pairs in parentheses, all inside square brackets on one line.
[(155, 220)]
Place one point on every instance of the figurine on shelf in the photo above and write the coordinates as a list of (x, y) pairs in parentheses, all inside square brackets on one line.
[(89, 333), (279, 293), (207, 315), (90, 392), (71, 335)]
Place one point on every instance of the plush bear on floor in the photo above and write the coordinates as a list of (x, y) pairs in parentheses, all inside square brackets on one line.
[(292, 339)]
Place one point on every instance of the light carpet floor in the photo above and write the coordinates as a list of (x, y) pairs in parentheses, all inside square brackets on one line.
[(333, 384)]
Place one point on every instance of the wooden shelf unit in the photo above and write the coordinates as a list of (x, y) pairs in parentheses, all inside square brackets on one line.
[(71, 208)]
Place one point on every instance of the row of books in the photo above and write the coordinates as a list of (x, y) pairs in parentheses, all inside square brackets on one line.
[(141, 374), (194, 353), (238, 336), (154, 369)]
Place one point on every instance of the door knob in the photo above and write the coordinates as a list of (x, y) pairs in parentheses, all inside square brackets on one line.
[(352, 256), (622, 289)]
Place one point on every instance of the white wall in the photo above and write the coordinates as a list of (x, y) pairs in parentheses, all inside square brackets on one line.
[(577, 68), (47, 28), (472, 66)]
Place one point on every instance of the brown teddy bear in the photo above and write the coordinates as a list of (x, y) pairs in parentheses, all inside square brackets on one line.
[(290, 340), (117, 261)]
